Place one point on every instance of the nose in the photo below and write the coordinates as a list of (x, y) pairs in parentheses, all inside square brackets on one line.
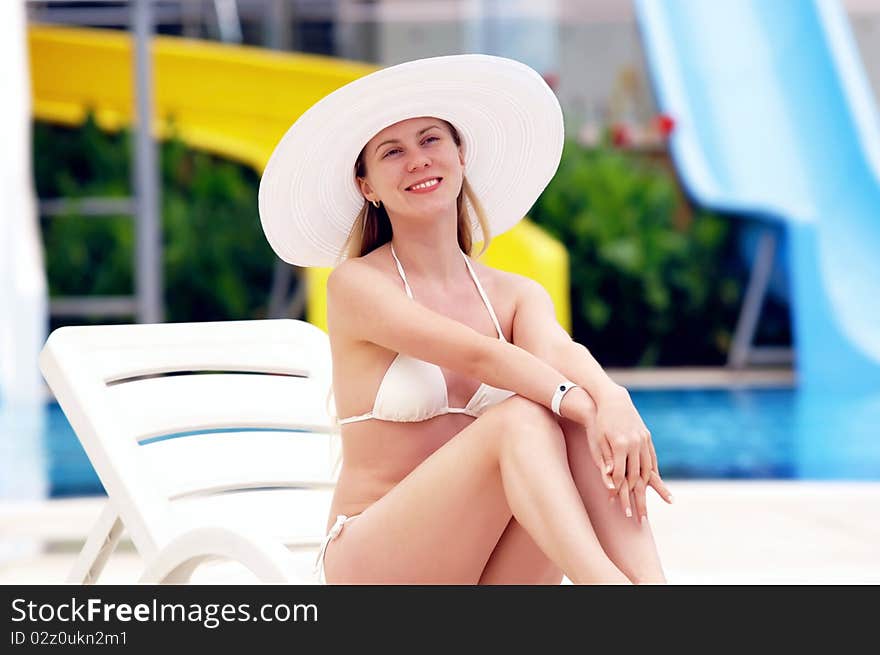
[(419, 161)]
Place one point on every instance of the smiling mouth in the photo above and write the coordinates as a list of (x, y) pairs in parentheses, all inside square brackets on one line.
[(425, 186)]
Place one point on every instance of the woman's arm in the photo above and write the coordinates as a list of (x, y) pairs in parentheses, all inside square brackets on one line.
[(535, 329), (365, 305), (617, 422)]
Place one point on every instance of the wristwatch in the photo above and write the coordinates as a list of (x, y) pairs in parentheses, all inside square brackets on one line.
[(560, 392)]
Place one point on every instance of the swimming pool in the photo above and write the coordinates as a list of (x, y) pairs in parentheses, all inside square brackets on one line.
[(778, 433)]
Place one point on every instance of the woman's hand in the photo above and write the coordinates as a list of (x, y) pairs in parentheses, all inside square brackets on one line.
[(625, 452)]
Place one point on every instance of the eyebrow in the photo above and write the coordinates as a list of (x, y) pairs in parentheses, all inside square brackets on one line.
[(419, 133)]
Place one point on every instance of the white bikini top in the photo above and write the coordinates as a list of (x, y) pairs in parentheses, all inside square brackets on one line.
[(415, 390)]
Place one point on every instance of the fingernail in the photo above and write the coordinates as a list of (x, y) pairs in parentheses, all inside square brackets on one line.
[(611, 485), (644, 519), (670, 498), (608, 468), (628, 513)]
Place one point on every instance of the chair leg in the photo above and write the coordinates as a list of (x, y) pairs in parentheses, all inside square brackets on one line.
[(100, 544), (183, 573), (176, 561)]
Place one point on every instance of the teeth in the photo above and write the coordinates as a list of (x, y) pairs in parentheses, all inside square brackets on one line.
[(426, 185)]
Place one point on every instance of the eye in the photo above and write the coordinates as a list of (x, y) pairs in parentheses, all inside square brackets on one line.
[(427, 140)]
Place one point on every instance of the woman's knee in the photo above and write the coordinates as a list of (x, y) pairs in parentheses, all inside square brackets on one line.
[(523, 420)]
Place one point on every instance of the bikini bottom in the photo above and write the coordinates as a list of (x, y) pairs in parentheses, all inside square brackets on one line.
[(341, 520)]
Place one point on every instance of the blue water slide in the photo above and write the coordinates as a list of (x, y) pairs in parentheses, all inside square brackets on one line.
[(775, 120)]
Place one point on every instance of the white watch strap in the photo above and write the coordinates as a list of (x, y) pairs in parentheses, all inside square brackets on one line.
[(558, 395)]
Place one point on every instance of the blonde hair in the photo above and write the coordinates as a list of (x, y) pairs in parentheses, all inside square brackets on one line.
[(372, 227)]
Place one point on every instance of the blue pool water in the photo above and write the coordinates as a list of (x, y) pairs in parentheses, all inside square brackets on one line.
[(763, 433), (714, 434)]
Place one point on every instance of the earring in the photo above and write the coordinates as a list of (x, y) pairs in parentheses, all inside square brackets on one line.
[(376, 203)]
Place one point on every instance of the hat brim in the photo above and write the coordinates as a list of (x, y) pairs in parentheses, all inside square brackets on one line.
[(509, 120)]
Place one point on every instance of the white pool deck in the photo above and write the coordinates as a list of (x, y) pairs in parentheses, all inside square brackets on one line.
[(716, 532)]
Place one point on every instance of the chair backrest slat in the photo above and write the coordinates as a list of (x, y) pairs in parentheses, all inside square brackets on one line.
[(295, 516), (269, 357), (226, 461), (182, 403)]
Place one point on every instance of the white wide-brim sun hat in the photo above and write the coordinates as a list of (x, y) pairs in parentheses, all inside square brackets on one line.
[(510, 124)]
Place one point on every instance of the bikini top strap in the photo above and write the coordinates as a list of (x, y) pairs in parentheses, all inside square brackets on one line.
[(473, 277), (483, 296), (402, 274)]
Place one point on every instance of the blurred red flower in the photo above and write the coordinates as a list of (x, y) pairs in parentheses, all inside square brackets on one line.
[(620, 135), (552, 80), (664, 124)]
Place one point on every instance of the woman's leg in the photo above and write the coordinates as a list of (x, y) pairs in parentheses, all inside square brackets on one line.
[(441, 523), (628, 542), (516, 558)]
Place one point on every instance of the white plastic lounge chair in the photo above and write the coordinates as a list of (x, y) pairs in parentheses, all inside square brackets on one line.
[(246, 495)]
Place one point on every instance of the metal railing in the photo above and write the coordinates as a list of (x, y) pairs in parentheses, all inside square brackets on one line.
[(146, 303), (141, 16)]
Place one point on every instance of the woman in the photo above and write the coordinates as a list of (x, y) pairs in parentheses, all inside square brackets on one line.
[(480, 443)]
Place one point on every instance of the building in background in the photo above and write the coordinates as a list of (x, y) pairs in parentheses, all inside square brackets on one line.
[(588, 50)]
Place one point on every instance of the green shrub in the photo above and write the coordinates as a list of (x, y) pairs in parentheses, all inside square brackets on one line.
[(645, 291), (217, 263)]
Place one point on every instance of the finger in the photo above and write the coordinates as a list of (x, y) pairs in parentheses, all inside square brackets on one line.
[(607, 456), (647, 463), (660, 487), (655, 464), (640, 501), (633, 466), (618, 475), (596, 453), (603, 462), (625, 503)]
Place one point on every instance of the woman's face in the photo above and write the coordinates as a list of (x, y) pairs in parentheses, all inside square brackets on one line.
[(413, 167)]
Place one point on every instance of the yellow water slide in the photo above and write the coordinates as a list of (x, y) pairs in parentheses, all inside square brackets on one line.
[(237, 102)]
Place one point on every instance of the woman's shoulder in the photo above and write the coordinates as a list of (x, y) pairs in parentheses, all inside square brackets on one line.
[(503, 282), (352, 283), (354, 266)]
